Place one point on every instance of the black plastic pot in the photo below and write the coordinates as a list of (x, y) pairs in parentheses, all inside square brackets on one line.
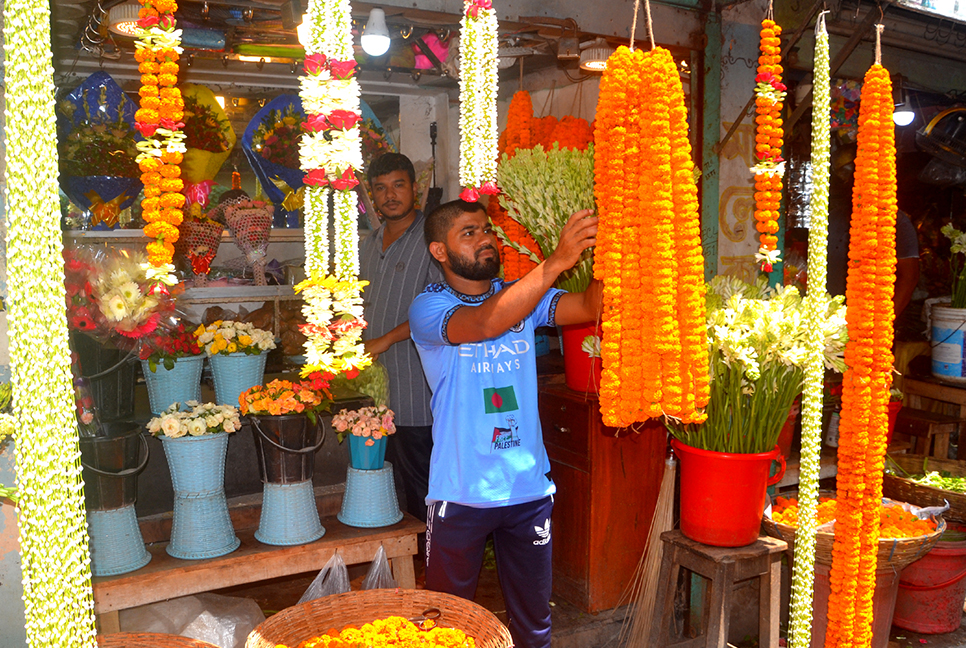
[(111, 466), (285, 447), (111, 373)]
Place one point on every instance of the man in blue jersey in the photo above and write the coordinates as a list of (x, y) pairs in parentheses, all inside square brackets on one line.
[(489, 471)]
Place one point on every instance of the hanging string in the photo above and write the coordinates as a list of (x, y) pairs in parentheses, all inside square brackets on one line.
[(637, 8), (770, 15), (521, 73), (650, 24), (548, 100), (878, 43)]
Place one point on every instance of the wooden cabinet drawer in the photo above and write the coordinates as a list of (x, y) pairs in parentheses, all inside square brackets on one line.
[(566, 429)]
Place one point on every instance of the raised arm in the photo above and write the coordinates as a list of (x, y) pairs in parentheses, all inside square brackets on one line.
[(498, 313)]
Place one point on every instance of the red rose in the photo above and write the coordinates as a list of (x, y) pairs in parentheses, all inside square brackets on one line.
[(316, 177), (470, 195), (344, 119), (148, 21), (764, 77), (147, 130), (489, 188), (316, 123), (314, 64), (342, 69), (171, 124), (346, 181), (168, 21)]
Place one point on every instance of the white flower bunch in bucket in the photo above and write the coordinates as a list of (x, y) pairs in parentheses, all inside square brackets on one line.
[(199, 419), (234, 337)]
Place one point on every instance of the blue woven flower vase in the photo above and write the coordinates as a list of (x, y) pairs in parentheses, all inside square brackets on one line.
[(235, 373), (290, 515), (167, 386), (363, 457), (370, 498), (201, 527), (116, 543)]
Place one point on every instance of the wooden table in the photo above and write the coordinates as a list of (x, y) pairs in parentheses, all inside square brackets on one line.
[(915, 388), (166, 577)]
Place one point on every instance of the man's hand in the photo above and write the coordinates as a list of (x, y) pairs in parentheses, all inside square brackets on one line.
[(381, 344), (577, 235)]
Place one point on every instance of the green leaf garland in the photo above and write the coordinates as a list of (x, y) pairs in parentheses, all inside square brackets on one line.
[(54, 546)]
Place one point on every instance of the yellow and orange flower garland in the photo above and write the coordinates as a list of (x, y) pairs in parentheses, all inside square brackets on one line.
[(159, 121), (654, 348), (769, 91), (868, 354)]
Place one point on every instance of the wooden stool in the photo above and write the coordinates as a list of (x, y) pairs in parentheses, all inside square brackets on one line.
[(931, 430), (723, 566)]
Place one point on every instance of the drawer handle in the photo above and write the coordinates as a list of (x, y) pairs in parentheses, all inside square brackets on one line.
[(561, 429)]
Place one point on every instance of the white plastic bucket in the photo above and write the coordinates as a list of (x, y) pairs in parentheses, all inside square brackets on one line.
[(948, 331)]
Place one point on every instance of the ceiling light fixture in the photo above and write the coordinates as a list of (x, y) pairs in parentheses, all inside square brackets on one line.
[(594, 56), (375, 35), (123, 19), (903, 114)]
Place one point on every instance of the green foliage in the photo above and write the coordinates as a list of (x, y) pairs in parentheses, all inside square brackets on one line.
[(373, 381), (541, 189)]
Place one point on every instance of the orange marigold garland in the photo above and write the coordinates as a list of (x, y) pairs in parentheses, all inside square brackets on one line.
[(770, 92), (648, 254), (863, 424), (159, 120), (542, 131)]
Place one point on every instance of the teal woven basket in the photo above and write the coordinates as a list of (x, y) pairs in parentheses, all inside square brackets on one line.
[(235, 373), (370, 498), (290, 515), (201, 526), (116, 543), (183, 383)]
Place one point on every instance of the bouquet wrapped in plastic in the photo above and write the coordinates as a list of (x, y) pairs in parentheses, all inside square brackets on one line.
[(250, 224)]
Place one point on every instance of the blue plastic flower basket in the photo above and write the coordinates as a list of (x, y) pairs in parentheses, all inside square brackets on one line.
[(290, 515), (235, 373), (116, 543), (201, 526), (363, 457), (183, 383), (370, 498)]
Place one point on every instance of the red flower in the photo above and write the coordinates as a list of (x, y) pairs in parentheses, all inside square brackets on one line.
[(351, 373), (314, 64), (168, 21), (316, 177), (148, 21), (171, 124), (470, 195), (147, 130), (316, 123), (778, 85), (342, 69), (764, 77), (346, 181), (489, 188), (344, 119), (82, 320)]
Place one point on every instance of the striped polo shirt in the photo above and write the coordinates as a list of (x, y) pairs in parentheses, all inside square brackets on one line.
[(395, 277)]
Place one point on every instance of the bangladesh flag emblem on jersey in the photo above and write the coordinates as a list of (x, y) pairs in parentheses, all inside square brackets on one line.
[(500, 399)]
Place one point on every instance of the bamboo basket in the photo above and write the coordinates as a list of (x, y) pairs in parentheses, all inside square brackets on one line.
[(148, 640), (906, 490), (893, 554), (293, 625)]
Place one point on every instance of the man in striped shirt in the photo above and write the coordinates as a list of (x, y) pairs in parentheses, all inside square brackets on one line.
[(397, 265)]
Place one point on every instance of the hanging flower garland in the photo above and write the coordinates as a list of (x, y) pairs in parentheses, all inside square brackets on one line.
[(54, 544), (863, 423), (654, 348), (803, 578), (479, 83), (160, 122), (330, 152), (770, 93)]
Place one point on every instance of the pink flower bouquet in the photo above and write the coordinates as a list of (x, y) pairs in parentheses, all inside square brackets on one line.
[(372, 422)]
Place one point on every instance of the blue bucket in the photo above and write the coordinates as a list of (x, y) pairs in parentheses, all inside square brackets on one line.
[(183, 383), (290, 515), (363, 457), (370, 498), (116, 543), (201, 526), (235, 373)]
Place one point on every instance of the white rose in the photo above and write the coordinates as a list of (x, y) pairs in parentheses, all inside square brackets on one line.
[(170, 425), (154, 425), (227, 333), (229, 425), (197, 427), (219, 418), (211, 421)]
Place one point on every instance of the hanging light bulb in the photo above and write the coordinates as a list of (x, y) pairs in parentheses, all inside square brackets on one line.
[(304, 31), (375, 35)]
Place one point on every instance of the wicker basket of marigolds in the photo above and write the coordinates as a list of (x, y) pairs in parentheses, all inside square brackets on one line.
[(906, 532), (383, 618)]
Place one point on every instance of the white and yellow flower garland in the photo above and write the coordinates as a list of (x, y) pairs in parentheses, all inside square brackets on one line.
[(479, 83), (330, 153), (803, 578), (54, 545)]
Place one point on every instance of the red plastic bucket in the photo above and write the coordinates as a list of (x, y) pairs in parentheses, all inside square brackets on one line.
[(723, 494), (933, 589), (581, 372), (892, 412)]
